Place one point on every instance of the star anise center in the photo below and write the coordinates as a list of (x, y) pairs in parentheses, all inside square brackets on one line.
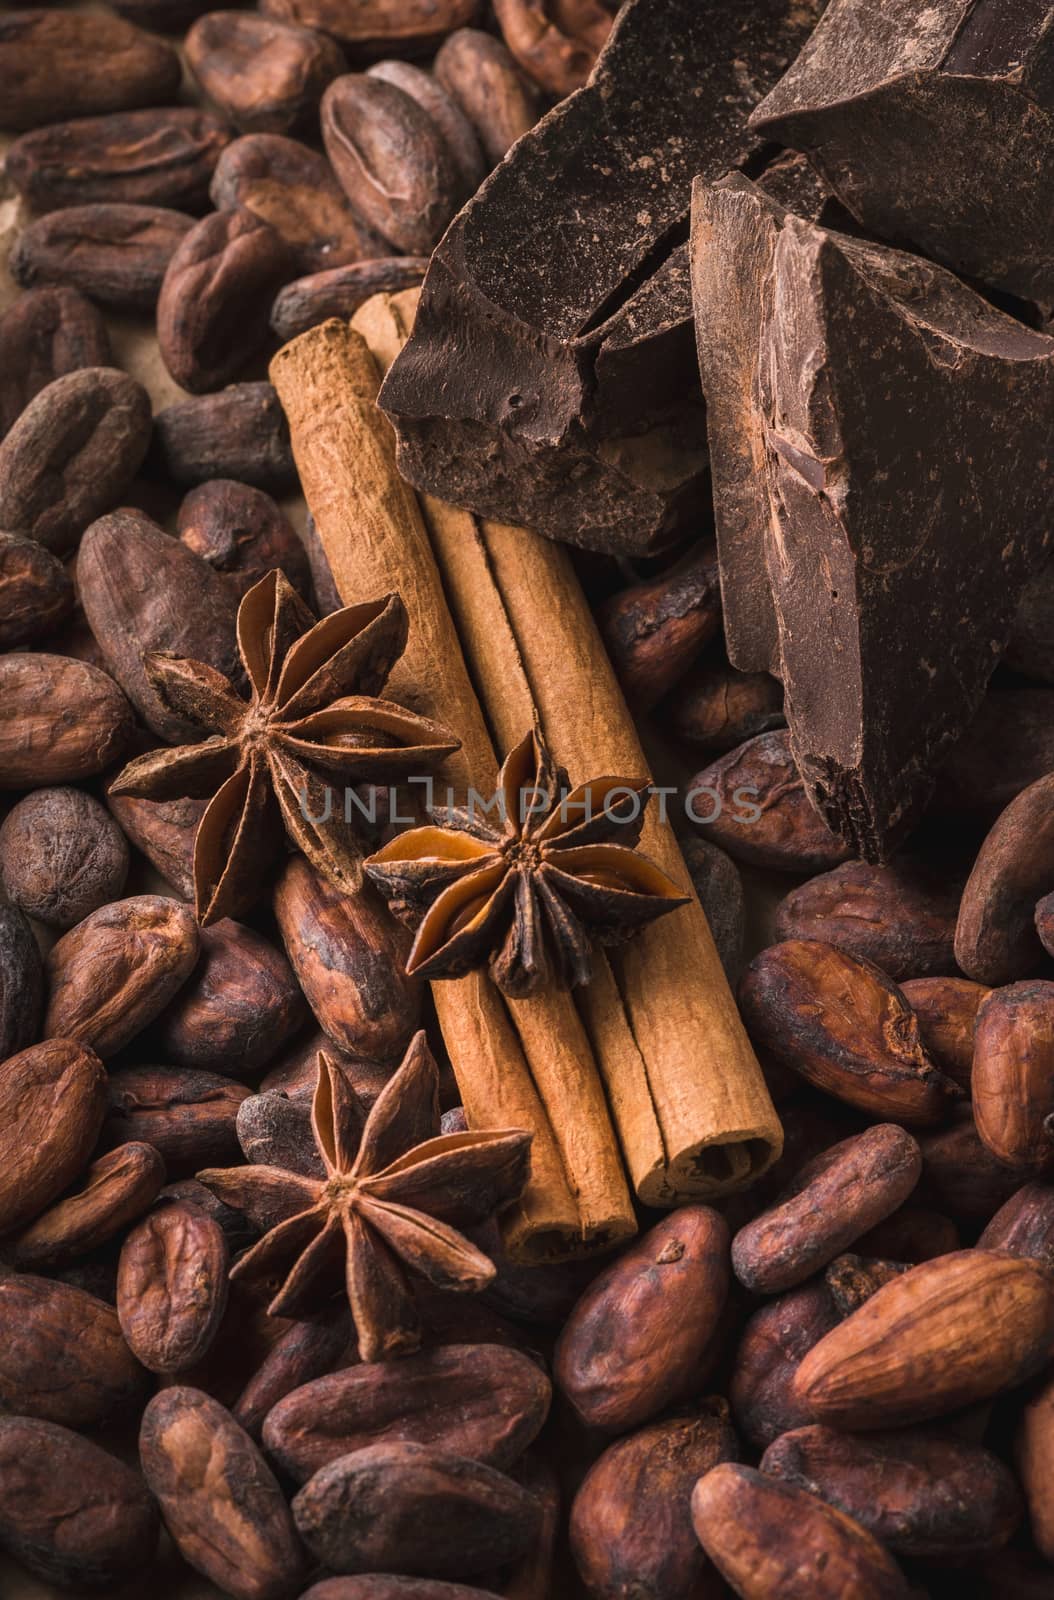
[(524, 855)]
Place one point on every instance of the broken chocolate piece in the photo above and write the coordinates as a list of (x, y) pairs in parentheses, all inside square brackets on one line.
[(549, 379), (934, 124), (881, 439)]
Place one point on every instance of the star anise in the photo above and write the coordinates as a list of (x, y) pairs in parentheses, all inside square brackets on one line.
[(312, 723), (530, 894), (393, 1189)]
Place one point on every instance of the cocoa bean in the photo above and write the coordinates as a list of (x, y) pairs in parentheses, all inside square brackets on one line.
[(164, 831), (414, 1509), (752, 803), (57, 64), (62, 1357), (304, 1352), (274, 1130), (72, 1514), (1034, 1457), (114, 1191), (1013, 1074), (392, 162), (458, 132), (996, 940), (852, 1280), (348, 955), (231, 1522), (36, 596), (52, 1102), (556, 45), (243, 534), (144, 591), (962, 1176), (834, 1200), (947, 1334), (377, 27), (144, 158), (71, 454), (237, 1231), (920, 1494), (631, 1525), (116, 254), (1009, 745), (1031, 647), (946, 1012), (340, 292), (60, 720), (21, 979), (189, 1117), (773, 1345), (773, 1541), (239, 433), (901, 916), (634, 1340), (845, 1027), (717, 882), (719, 708), (62, 856), (1024, 1226), (655, 630), (215, 298), (478, 72), (44, 334), (172, 1288), (296, 1072), (477, 1400), (265, 76), (117, 970)]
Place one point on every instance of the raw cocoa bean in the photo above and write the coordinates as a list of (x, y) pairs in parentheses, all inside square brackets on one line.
[(1031, 647), (414, 1509), (631, 1526), (946, 1012), (1010, 745), (36, 596), (237, 1231), (296, 1072), (392, 162), (996, 940), (215, 298), (60, 720), (453, 124), (1013, 1074), (843, 1025), (305, 1352), (189, 1117), (274, 1130), (21, 979), (172, 1288), (340, 292), (962, 1176), (634, 1340), (1024, 1226), (773, 1541), (901, 916), (62, 856), (117, 970), (72, 1514), (719, 708), (378, 27), (717, 882), (753, 804), (852, 1279), (293, 188), (44, 334), (348, 955), (144, 591), (1034, 1456), (920, 1494), (243, 534), (556, 45), (947, 1334), (655, 630), (834, 1200), (773, 1345), (114, 1191), (218, 1498), (477, 1400), (62, 1357), (478, 72), (239, 433), (116, 254), (57, 64), (52, 1102), (265, 76), (71, 454), (164, 831), (145, 158)]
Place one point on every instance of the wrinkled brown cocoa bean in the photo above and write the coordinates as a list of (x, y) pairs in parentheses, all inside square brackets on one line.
[(845, 1027), (379, 27), (72, 1514), (243, 534), (716, 880), (478, 72), (71, 454), (60, 720), (480, 1401), (634, 1340), (341, 291), (773, 1541), (44, 334), (414, 1509), (773, 1344), (239, 433), (1024, 1226), (922, 1495), (719, 708), (52, 1102), (458, 132), (189, 1117), (274, 1130), (36, 596), (392, 162), (556, 42), (946, 1011), (1013, 1074), (348, 955), (265, 76), (296, 1072), (996, 940), (144, 591), (306, 1351), (62, 856), (117, 970), (21, 978), (901, 916), (238, 1232), (631, 1525), (1034, 1456), (145, 158), (57, 64), (753, 804), (172, 1288), (214, 301), (164, 831), (62, 1357), (116, 254), (114, 1191), (1009, 745), (231, 1522), (833, 1200), (655, 630), (852, 1280), (962, 1176)]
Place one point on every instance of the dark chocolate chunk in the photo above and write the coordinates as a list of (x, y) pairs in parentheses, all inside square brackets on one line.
[(934, 123)]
